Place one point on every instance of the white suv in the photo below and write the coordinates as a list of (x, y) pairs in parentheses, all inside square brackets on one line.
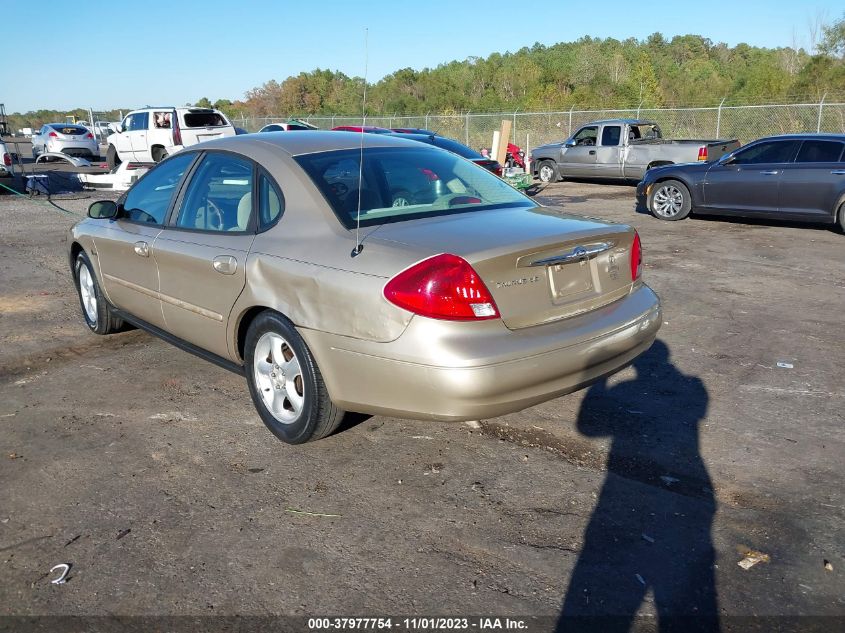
[(152, 134)]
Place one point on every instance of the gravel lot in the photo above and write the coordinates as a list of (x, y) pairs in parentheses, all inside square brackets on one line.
[(148, 471)]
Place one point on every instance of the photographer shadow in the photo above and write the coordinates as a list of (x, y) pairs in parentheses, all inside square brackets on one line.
[(649, 536)]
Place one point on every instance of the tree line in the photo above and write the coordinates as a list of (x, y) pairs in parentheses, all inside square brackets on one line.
[(589, 73)]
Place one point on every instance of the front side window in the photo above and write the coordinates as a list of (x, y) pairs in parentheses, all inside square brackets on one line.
[(768, 152), (586, 136), (611, 134), (149, 200), (819, 152), (219, 195), (398, 184)]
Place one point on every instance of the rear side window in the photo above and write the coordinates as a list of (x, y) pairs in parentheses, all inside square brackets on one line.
[(819, 152), (271, 203), (149, 200), (219, 195), (611, 134), (769, 152), (204, 119)]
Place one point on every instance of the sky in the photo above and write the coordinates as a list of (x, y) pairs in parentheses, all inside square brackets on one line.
[(131, 54)]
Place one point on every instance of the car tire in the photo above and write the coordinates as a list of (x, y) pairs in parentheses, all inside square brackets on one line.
[(285, 383), (840, 216), (112, 157), (669, 200), (96, 310), (547, 172), (159, 154)]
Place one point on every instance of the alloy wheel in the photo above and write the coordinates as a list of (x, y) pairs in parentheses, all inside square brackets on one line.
[(278, 376)]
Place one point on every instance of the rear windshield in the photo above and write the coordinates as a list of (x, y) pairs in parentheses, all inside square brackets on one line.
[(70, 129), (404, 184), (454, 146), (204, 119)]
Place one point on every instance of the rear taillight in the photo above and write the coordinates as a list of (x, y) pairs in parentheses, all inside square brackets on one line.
[(89, 135), (7, 159), (636, 258), (177, 133), (53, 135), (442, 287), (702, 153)]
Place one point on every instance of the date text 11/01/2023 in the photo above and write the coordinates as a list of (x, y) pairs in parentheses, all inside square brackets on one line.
[(417, 624)]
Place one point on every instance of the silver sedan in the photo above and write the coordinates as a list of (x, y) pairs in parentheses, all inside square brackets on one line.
[(65, 138)]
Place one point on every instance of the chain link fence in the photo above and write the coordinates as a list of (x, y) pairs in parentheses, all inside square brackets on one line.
[(530, 129)]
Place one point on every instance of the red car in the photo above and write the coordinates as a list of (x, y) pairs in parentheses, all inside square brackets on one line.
[(370, 129)]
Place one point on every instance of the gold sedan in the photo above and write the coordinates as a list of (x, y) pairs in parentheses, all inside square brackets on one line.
[(346, 272)]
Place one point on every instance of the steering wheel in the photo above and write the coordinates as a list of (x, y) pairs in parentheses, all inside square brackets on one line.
[(214, 216), (339, 189), (588, 141)]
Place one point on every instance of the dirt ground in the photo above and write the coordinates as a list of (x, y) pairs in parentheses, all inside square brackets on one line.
[(148, 471)]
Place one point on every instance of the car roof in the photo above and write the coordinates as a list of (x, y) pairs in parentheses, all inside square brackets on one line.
[(620, 121), (829, 136), (296, 142)]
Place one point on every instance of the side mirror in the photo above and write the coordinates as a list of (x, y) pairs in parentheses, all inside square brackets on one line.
[(569, 144), (727, 159), (103, 210)]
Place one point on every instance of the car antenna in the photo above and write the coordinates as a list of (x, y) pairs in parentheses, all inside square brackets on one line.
[(358, 245)]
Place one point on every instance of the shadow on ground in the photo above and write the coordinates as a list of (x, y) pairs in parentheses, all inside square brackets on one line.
[(647, 548)]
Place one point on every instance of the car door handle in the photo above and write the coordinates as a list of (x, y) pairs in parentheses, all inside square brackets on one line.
[(838, 172), (771, 172), (142, 249), (592, 152), (225, 264)]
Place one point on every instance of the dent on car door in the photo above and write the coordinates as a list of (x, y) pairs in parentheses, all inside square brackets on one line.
[(125, 246), (202, 253), (812, 185), (608, 152), (748, 182)]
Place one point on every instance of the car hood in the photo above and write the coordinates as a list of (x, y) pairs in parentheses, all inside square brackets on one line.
[(547, 146)]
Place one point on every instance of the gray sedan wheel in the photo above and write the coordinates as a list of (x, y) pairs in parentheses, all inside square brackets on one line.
[(547, 172), (669, 200)]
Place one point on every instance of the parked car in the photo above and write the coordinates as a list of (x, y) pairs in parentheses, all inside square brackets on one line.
[(328, 299), (65, 138), (284, 127), (152, 134), (370, 129), (7, 169), (456, 148), (794, 177), (619, 149)]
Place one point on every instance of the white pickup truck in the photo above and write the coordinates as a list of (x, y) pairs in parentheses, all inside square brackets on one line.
[(152, 134)]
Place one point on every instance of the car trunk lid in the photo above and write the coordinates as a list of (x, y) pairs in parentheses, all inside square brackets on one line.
[(540, 264)]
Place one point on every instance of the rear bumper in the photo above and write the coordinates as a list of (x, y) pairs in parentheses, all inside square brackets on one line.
[(464, 371)]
